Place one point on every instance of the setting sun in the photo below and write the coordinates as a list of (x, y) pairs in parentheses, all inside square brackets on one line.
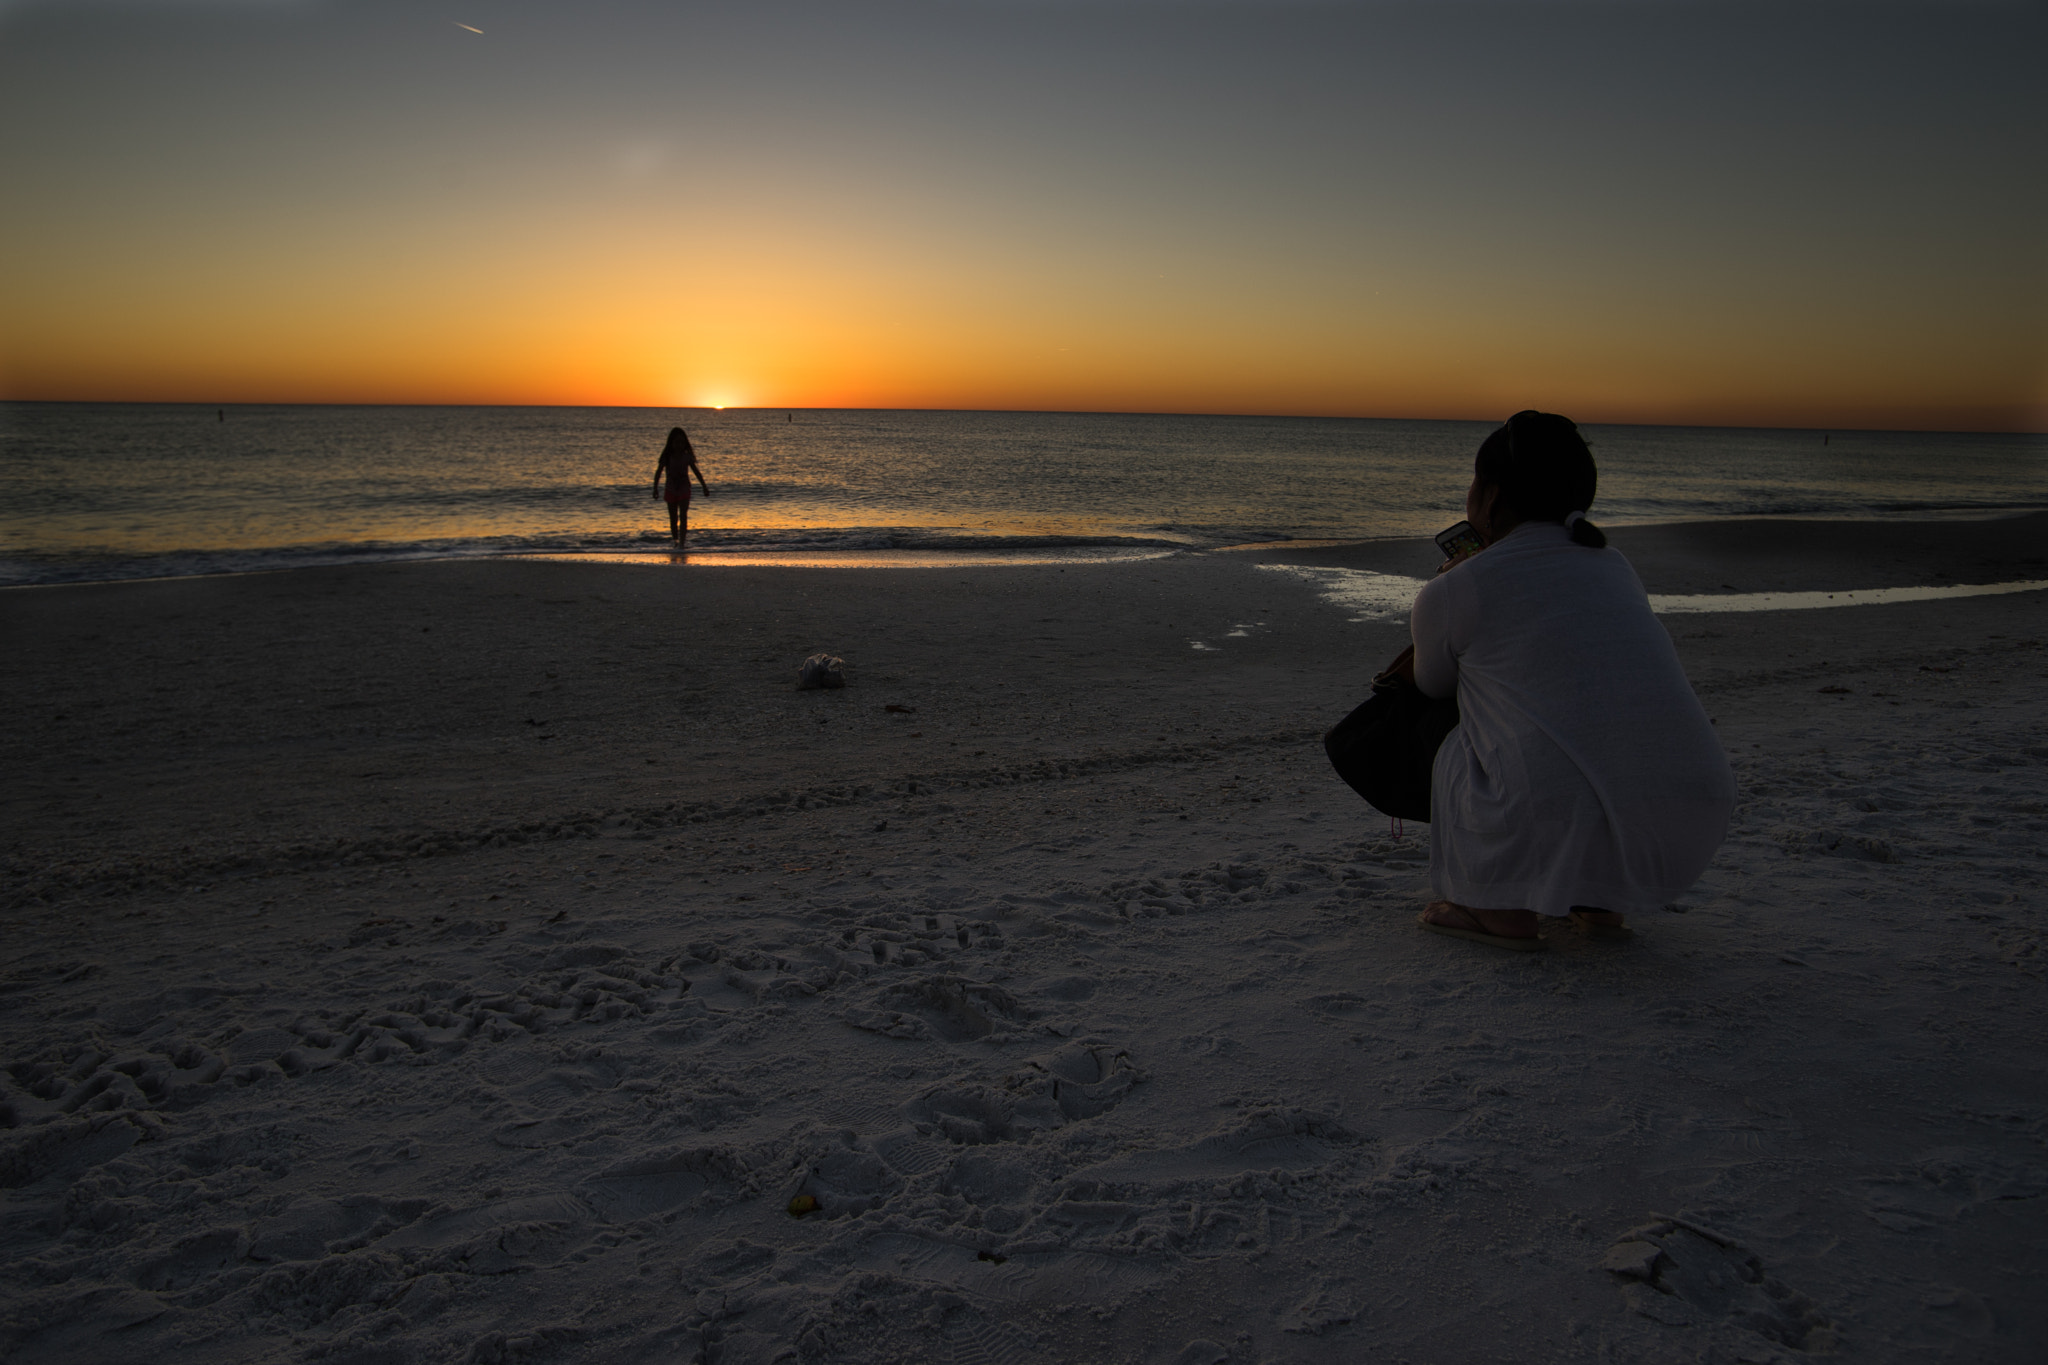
[(665, 665), (835, 249)]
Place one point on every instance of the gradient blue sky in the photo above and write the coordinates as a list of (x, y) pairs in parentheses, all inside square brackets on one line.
[(1802, 214)]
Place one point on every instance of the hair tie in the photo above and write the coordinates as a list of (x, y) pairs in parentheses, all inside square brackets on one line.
[(1572, 519)]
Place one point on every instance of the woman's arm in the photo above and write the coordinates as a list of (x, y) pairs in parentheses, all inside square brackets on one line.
[(1432, 627), (1403, 668)]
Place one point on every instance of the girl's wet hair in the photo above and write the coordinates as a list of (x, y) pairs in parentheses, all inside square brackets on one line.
[(678, 441), (1544, 471)]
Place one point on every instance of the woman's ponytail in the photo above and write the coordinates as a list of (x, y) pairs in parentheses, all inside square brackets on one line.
[(1584, 532)]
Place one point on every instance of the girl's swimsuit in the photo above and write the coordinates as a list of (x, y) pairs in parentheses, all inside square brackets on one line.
[(677, 491)]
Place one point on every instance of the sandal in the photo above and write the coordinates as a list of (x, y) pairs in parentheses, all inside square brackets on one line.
[(1600, 924), (1477, 933)]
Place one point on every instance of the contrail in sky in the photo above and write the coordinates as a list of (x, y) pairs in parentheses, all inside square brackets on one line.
[(472, 30)]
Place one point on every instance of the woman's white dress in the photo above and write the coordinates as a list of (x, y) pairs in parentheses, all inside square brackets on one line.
[(1583, 770)]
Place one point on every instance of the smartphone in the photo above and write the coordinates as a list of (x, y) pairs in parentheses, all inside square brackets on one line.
[(1459, 540)]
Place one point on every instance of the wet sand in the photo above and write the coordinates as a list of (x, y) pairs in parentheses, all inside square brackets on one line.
[(472, 961), (1770, 555)]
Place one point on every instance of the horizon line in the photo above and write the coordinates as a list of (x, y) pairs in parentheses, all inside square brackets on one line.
[(1045, 412)]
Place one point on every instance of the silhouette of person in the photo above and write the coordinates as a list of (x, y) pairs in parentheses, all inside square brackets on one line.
[(678, 461), (1583, 777)]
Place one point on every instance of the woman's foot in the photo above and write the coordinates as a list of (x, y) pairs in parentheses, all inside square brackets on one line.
[(1502, 928), (1600, 923)]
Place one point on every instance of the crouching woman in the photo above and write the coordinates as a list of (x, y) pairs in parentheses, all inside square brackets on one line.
[(1583, 777)]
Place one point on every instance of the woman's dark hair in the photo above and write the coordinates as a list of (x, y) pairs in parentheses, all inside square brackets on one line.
[(1544, 471), (678, 443)]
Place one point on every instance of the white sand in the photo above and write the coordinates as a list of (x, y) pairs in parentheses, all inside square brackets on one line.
[(346, 1018)]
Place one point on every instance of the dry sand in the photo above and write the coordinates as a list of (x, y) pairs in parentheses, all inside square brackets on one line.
[(471, 962)]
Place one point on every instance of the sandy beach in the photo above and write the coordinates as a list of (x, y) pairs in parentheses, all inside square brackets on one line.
[(471, 962)]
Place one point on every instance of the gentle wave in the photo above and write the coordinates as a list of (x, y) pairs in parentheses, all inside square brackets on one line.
[(43, 569)]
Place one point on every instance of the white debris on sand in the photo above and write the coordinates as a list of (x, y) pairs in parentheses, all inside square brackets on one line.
[(363, 1025)]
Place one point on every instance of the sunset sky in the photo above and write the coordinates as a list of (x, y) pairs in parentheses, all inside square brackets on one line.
[(1811, 214)]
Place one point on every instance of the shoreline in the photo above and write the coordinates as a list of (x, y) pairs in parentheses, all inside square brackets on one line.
[(410, 959), (1758, 554), (2009, 530)]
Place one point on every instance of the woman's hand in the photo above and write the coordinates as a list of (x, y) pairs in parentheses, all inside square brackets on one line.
[(1455, 560)]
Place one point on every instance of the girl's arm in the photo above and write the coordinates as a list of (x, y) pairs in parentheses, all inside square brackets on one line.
[(700, 476)]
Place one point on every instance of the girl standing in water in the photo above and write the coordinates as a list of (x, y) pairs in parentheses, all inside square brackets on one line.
[(678, 461)]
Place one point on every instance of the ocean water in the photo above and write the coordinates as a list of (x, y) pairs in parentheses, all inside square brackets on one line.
[(102, 491)]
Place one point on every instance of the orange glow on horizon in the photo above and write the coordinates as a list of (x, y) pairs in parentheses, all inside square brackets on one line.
[(1333, 210), (786, 324)]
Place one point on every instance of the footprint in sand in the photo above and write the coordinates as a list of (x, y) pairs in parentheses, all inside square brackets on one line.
[(500, 1237), (171, 1074), (985, 1179), (1684, 1275), (862, 1114), (192, 1260), (1946, 1184), (974, 1114), (307, 1229), (943, 1007), (1206, 1045), (974, 1340), (1077, 1082), (1258, 1141), (849, 1178), (654, 1185), (1328, 1304), (909, 1152), (1082, 1079)]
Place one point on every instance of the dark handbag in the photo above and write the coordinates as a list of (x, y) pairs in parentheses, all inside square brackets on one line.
[(1386, 748)]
